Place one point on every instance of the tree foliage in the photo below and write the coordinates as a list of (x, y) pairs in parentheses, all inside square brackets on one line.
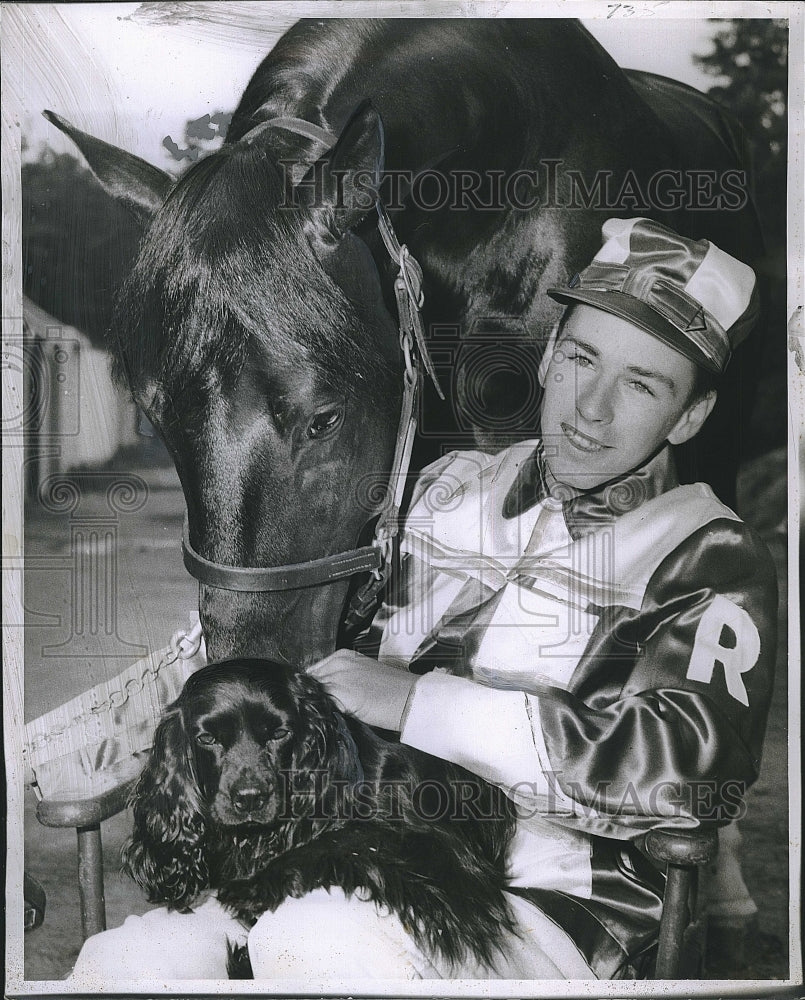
[(78, 244), (750, 62)]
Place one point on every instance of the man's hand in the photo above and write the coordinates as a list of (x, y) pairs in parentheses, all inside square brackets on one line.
[(374, 692)]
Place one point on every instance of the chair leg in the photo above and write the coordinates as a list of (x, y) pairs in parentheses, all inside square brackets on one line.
[(673, 923), (90, 880)]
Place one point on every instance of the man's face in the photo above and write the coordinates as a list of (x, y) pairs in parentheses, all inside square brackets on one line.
[(613, 395)]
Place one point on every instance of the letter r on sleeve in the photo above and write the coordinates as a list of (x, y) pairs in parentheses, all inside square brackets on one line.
[(726, 635)]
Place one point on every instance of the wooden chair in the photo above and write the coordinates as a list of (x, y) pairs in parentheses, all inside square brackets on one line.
[(59, 744), (680, 947), (85, 817), (84, 757)]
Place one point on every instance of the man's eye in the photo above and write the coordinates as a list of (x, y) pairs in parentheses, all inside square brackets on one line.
[(206, 739), (278, 734), (580, 359), (641, 387)]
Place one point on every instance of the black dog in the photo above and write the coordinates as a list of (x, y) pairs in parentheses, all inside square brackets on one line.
[(258, 788)]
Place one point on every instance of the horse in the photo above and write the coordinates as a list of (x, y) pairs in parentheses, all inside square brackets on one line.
[(259, 328)]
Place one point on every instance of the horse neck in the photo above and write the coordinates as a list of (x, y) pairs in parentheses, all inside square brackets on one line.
[(322, 71)]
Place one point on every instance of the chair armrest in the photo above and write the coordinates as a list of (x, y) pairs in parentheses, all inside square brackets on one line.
[(91, 809), (685, 848)]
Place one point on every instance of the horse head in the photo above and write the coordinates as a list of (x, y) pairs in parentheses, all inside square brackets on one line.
[(254, 333)]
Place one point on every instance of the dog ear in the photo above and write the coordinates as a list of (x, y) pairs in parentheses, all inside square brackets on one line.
[(166, 853), (318, 727)]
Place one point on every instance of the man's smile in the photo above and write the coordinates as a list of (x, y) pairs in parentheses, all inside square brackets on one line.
[(581, 441)]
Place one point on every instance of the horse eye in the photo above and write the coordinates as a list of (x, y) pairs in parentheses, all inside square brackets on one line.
[(324, 423), (206, 739)]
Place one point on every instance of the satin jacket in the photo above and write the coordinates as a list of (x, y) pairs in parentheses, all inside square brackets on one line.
[(606, 657)]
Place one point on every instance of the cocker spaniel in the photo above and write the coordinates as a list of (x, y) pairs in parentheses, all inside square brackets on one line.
[(258, 788)]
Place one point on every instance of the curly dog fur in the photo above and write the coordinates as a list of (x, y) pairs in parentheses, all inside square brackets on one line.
[(258, 788)]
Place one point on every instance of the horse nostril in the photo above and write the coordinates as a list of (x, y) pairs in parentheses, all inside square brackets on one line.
[(248, 800)]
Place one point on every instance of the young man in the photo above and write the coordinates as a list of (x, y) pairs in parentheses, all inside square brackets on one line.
[(606, 638), (603, 641)]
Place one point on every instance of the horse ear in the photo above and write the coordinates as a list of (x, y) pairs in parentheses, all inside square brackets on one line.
[(344, 186), (135, 183)]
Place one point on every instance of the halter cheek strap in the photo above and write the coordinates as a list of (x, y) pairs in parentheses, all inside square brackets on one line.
[(377, 557)]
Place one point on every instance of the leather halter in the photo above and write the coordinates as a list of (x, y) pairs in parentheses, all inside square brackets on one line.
[(377, 556)]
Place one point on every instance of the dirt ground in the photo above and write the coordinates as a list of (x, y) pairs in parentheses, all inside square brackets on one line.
[(155, 597)]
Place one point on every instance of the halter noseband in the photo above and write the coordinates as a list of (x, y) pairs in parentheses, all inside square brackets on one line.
[(377, 556)]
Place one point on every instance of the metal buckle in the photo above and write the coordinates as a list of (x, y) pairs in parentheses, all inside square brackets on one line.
[(189, 643), (384, 541), (410, 277), (407, 344)]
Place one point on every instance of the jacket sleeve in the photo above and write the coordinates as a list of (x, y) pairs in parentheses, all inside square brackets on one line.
[(667, 708)]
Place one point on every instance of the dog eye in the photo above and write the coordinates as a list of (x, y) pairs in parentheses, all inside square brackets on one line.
[(206, 739), (278, 734)]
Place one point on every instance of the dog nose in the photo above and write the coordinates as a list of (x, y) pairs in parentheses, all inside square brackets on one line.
[(248, 800)]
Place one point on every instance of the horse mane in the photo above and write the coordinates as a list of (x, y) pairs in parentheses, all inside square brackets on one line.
[(214, 270)]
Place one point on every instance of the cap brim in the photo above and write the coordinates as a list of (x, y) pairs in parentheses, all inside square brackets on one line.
[(634, 311)]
